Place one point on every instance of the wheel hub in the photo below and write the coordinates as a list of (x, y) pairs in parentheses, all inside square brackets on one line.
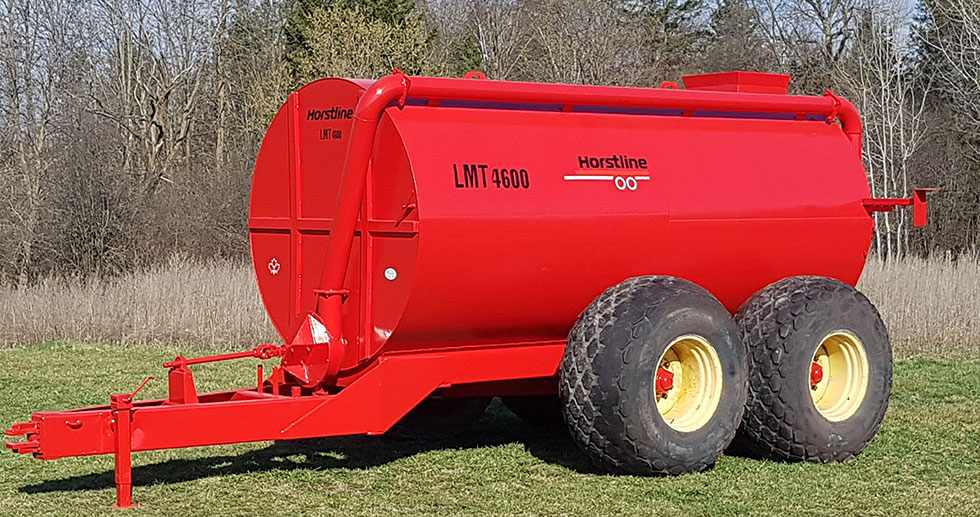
[(688, 383), (665, 381), (839, 375), (816, 374)]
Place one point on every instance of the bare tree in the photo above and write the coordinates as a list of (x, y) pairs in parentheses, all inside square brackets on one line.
[(154, 58), (958, 48), (824, 25), (220, 85), (255, 72), (585, 42), (38, 45), (502, 37), (879, 76), (950, 50), (809, 37)]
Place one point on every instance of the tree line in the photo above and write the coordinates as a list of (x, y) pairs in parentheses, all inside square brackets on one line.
[(129, 128)]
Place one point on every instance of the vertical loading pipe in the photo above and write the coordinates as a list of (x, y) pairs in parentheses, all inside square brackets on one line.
[(367, 115), (398, 87)]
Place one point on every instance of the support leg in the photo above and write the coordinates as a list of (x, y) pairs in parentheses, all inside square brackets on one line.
[(123, 404)]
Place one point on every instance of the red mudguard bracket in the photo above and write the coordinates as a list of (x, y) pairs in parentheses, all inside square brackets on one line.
[(918, 202)]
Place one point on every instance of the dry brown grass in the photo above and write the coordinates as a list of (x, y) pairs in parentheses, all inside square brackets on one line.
[(931, 307), (214, 305)]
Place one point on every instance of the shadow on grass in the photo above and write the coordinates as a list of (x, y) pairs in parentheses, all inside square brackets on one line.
[(497, 427)]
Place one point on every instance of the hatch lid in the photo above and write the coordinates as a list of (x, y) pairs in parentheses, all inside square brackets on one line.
[(739, 81)]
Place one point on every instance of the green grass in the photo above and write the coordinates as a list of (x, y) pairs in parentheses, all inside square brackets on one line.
[(926, 459)]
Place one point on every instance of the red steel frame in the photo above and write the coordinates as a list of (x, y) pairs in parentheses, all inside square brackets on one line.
[(273, 410), (283, 406)]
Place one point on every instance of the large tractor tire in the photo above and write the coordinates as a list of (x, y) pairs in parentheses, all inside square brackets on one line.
[(542, 410), (439, 418), (820, 371), (653, 378)]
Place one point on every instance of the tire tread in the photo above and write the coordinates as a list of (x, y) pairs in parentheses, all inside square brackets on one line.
[(590, 379), (765, 321)]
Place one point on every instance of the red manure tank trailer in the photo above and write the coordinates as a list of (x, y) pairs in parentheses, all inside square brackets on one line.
[(657, 269)]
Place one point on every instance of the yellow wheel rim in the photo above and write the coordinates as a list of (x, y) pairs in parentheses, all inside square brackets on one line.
[(840, 390), (695, 390)]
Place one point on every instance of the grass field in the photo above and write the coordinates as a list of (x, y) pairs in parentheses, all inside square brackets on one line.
[(925, 461)]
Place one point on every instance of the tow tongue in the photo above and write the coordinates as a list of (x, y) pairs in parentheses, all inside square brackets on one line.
[(313, 354)]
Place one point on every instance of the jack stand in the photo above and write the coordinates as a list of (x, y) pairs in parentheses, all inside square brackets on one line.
[(122, 405)]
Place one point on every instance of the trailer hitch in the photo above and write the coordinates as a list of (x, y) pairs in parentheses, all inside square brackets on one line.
[(30, 430)]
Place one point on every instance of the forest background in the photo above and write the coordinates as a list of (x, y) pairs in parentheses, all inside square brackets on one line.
[(129, 129)]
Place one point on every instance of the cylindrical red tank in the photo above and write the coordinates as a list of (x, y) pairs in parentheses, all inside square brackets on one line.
[(493, 222)]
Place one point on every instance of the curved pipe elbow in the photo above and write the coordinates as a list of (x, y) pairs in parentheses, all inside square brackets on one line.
[(379, 95), (850, 122)]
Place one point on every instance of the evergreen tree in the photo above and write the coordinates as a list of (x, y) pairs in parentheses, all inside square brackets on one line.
[(674, 35), (736, 43), (367, 20)]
